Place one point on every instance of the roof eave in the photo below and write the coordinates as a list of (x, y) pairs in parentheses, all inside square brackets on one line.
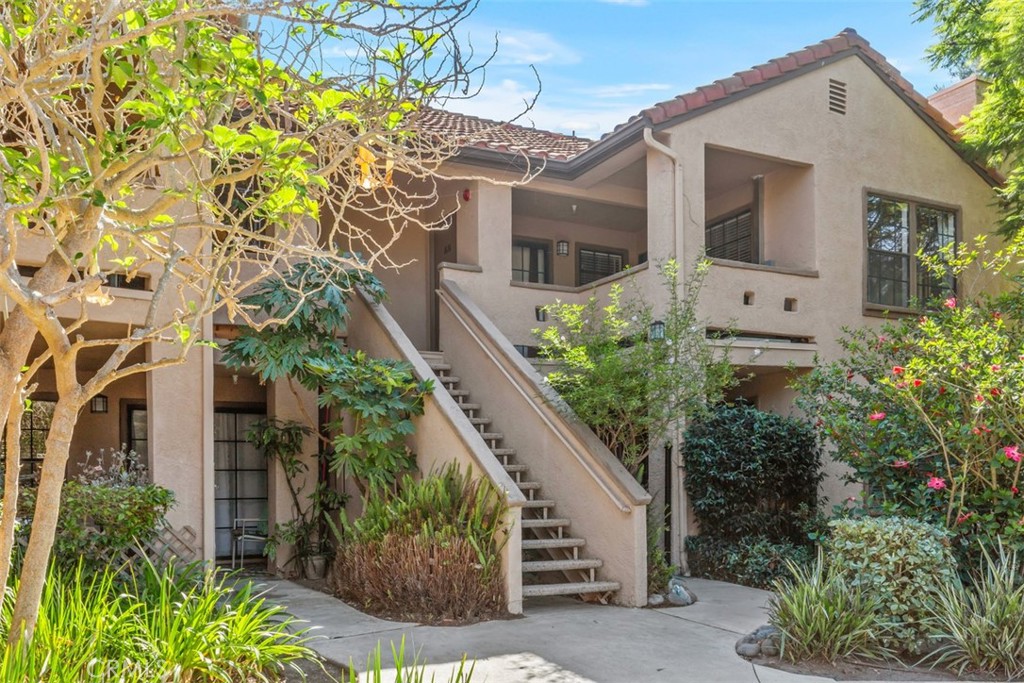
[(556, 169)]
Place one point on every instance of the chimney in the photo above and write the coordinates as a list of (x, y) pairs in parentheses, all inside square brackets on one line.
[(957, 101)]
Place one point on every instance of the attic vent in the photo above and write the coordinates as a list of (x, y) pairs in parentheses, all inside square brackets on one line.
[(836, 96)]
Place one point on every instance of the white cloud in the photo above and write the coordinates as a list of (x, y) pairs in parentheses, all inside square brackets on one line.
[(620, 90), (532, 47), (585, 116)]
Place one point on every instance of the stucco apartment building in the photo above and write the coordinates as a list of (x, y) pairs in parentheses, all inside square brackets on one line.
[(810, 181)]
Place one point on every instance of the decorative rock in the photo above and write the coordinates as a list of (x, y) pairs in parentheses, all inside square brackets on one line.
[(769, 649), (656, 600), (679, 594), (747, 649), (766, 631)]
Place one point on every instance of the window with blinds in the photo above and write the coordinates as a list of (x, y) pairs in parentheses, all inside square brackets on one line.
[(732, 238), (594, 264)]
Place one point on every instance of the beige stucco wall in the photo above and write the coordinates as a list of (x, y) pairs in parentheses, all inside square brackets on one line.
[(632, 243)]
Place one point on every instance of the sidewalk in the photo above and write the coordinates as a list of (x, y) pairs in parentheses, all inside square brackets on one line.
[(561, 640)]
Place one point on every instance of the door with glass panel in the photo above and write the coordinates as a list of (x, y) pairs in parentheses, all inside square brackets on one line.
[(240, 478)]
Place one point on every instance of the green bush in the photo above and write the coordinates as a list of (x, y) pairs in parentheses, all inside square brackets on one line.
[(751, 473), (980, 625), (753, 561), (98, 522), (926, 413), (821, 615), (172, 624), (402, 557), (903, 562)]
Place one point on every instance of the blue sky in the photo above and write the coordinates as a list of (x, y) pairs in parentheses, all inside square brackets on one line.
[(600, 61)]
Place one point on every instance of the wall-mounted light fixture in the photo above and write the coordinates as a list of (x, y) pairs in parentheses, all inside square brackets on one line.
[(657, 332), (562, 248), (99, 403)]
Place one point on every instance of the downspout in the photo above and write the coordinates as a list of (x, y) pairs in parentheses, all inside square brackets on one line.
[(680, 503)]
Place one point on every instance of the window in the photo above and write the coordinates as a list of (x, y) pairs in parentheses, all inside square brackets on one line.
[(594, 264), (138, 431), (732, 238), (35, 425), (531, 262), (897, 229)]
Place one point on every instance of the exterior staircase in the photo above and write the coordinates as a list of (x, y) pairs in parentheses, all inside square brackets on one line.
[(553, 560)]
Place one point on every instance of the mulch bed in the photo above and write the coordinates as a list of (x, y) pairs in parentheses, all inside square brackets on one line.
[(870, 671)]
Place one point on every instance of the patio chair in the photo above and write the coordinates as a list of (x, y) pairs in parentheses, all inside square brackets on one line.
[(246, 530)]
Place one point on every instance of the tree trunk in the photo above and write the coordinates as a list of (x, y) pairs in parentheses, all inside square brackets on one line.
[(12, 465), (44, 521)]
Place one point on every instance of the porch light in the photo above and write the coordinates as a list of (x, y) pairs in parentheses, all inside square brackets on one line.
[(99, 403), (562, 248), (657, 332)]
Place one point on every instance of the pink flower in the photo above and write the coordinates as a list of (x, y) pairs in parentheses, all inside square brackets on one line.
[(875, 417), (937, 483), (995, 391), (963, 517), (1013, 453), (997, 368), (897, 370), (950, 302), (1014, 490), (900, 464), (918, 382)]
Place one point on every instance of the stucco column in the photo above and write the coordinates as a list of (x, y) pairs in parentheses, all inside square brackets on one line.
[(485, 229), (290, 403), (179, 414)]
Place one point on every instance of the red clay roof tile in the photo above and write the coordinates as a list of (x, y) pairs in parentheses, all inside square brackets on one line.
[(470, 131)]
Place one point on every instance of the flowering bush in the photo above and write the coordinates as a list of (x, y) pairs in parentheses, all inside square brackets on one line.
[(928, 412)]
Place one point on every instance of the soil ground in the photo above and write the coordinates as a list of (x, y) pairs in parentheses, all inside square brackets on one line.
[(870, 671)]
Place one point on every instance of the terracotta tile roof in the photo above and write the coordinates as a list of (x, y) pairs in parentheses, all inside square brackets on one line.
[(506, 137), (470, 131), (848, 39)]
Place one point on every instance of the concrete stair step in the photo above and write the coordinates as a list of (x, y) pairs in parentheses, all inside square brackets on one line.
[(439, 366), (455, 393), (528, 485), (449, 379), (561, 565), (505, 451), (582, 588), (539, 504), (492, 436), (552, 543), (515, 468), (550, 523), (466, 407), (480, 420)]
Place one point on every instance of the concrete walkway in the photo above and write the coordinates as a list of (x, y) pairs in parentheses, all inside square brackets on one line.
[(561, 640)]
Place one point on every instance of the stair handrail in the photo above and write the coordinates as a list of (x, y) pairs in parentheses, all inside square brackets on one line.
[(591, 453), (489, 465)]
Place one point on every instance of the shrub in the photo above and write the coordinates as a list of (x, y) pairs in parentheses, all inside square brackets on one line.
[(751, 561), (903, 562), (926, 412), (820, 614), (412, 546), (172, 624), (98, 522), (751, 473), (980, 625)]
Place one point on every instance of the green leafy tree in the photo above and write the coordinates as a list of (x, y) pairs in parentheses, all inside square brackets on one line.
[(986, 37), (379, 395), (200, 145), (630, 386)]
